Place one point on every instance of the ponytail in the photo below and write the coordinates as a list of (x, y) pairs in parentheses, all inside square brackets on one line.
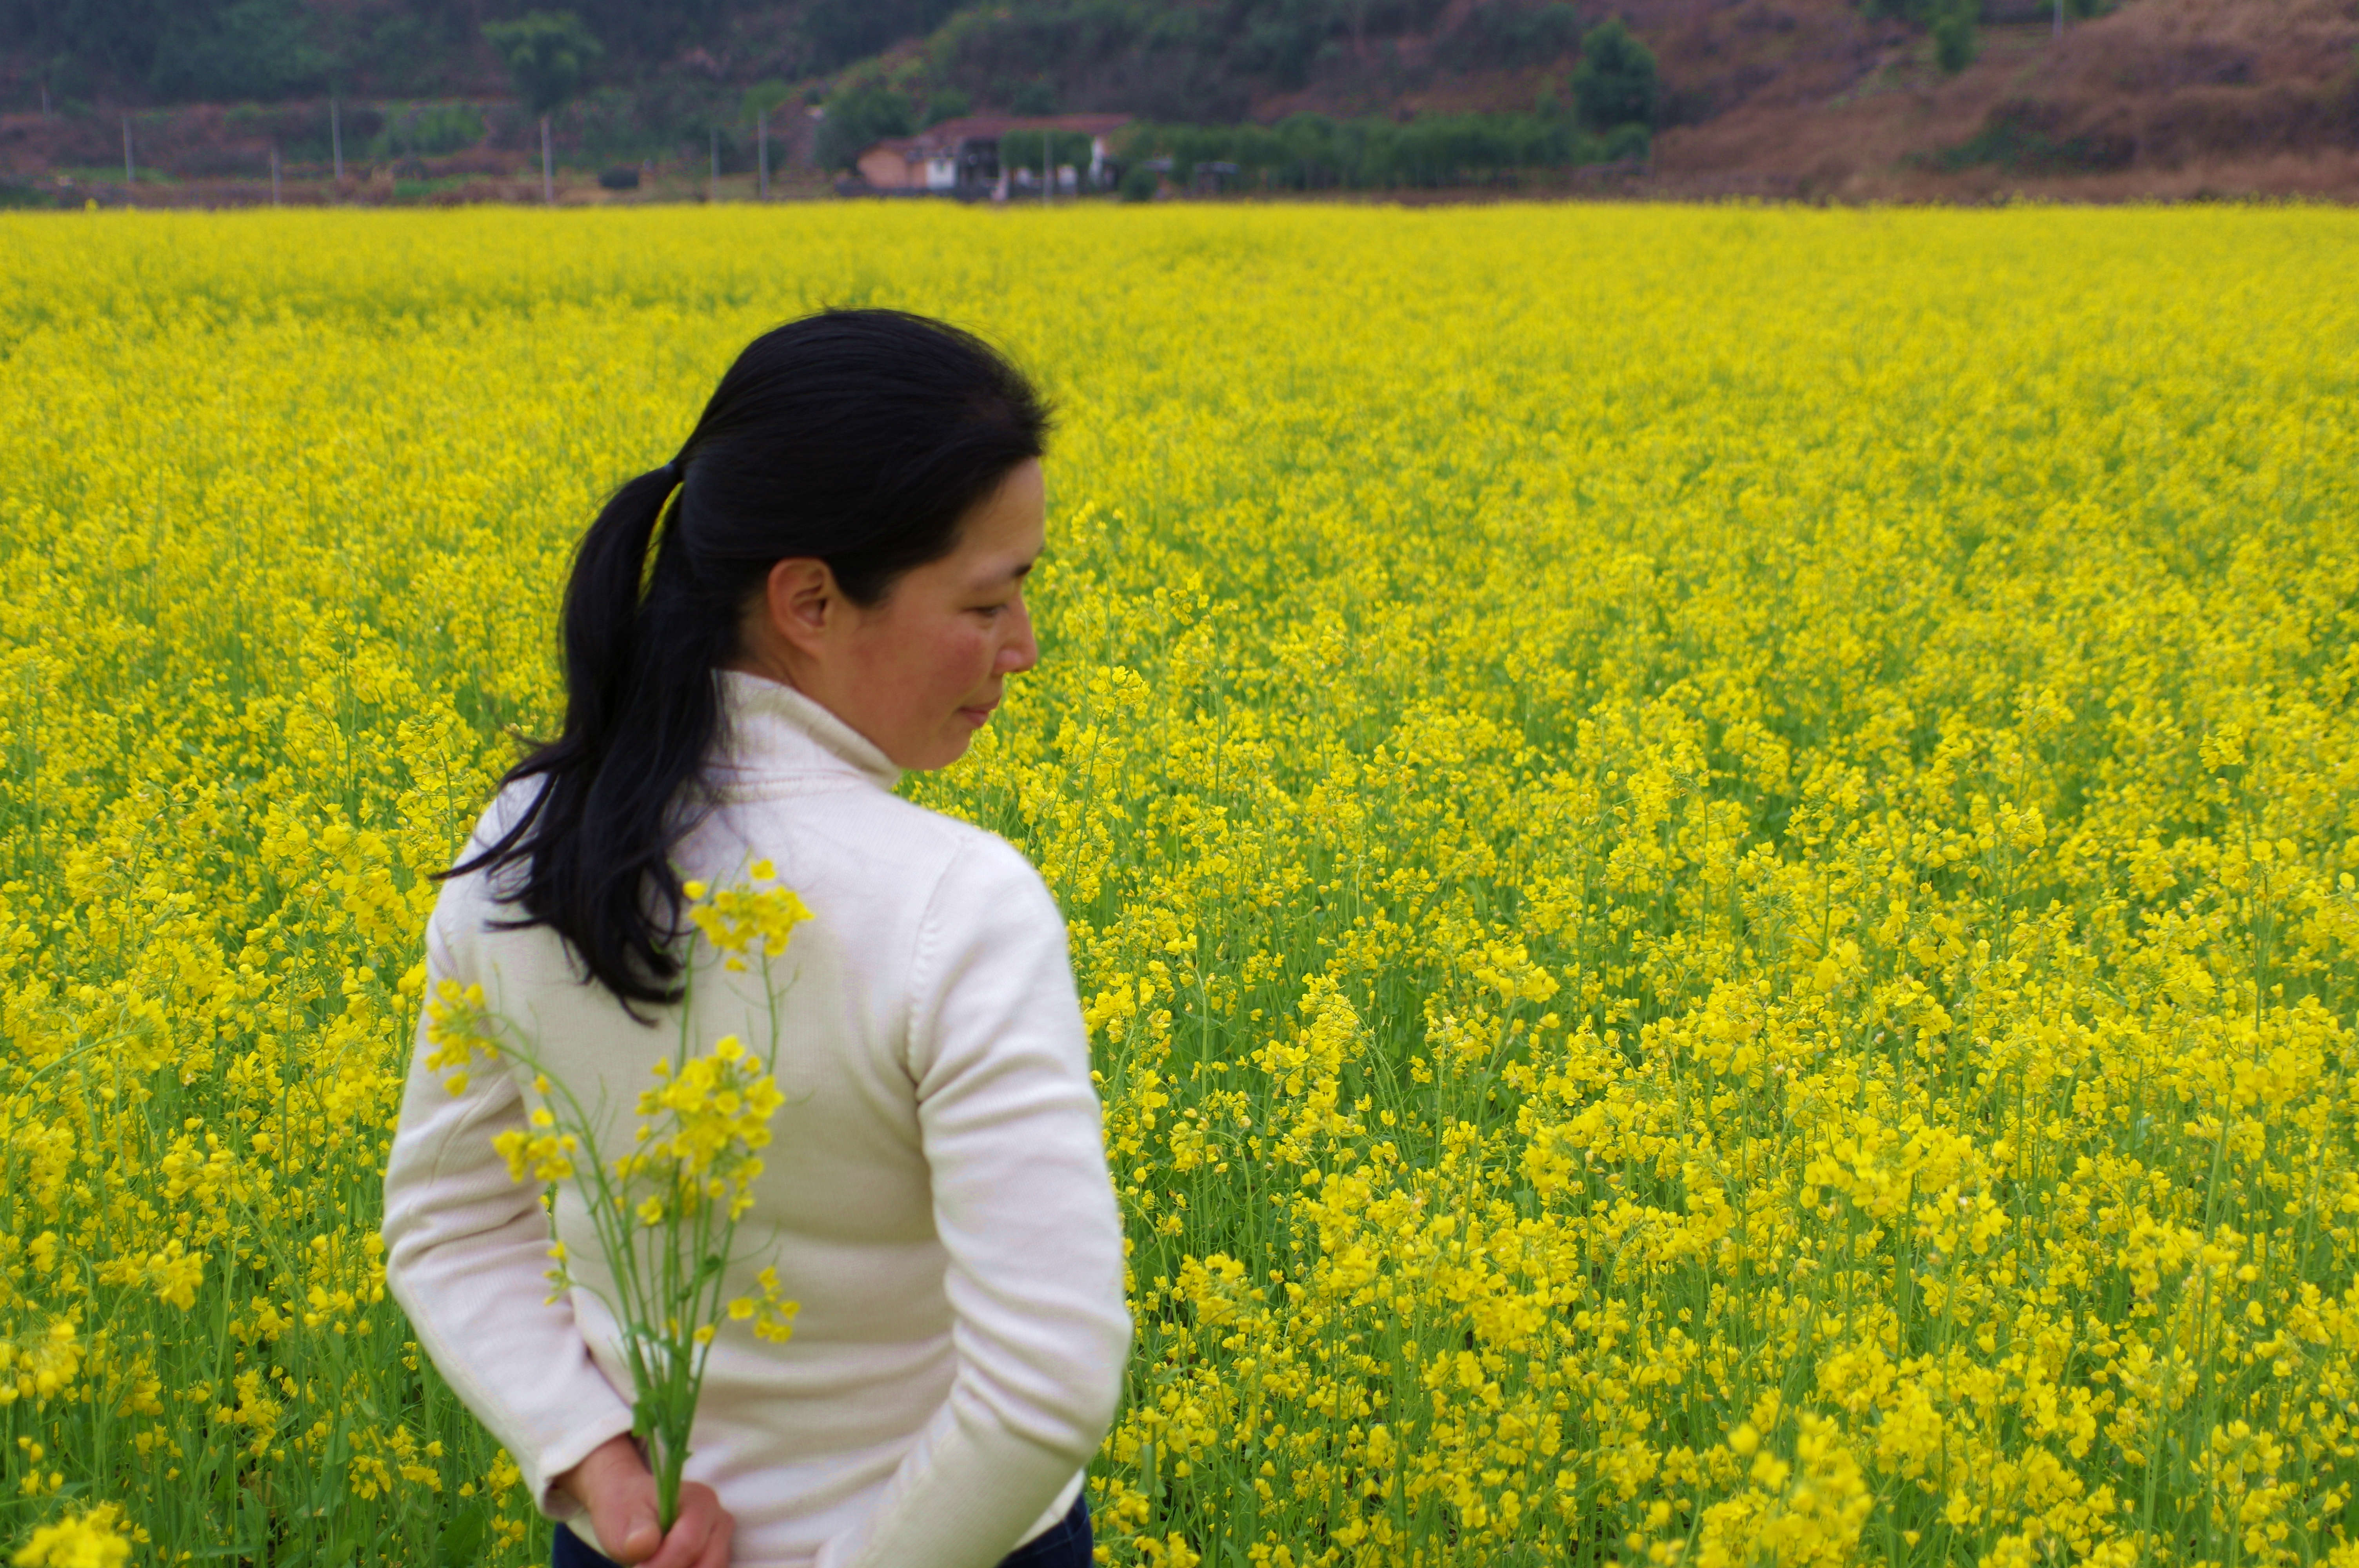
[(862, 437), (601, 598)]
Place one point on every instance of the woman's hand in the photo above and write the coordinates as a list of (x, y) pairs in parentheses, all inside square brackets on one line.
[(615, 1485)]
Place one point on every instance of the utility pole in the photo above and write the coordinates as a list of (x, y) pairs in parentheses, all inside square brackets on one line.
[(2060, 18), (548, 179), (128, 175), (713, 188), (274, 174), (762, 140), (336, 138), (1047, 173)]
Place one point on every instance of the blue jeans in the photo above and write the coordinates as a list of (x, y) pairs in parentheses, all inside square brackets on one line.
[(1064, 1545)]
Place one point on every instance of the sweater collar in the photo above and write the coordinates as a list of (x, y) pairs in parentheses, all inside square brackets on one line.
[(773, 730)]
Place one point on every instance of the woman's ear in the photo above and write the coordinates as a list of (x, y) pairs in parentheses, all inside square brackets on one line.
[(802, 598), (785, 629)]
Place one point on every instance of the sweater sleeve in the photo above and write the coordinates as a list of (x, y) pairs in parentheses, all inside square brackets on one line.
[(1026, 1210), (466, 1251)]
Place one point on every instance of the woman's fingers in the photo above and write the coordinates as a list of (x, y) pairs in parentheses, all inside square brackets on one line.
[(716, 1551), (703, 1528), (614, 1484), (634, 1534), (621, 1495)]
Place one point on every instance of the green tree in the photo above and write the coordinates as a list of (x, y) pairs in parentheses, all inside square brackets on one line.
[(1034, 97), (766, 97), (857, 120), (1954, 42), (1615, 82), (249, 49), (547, 53)]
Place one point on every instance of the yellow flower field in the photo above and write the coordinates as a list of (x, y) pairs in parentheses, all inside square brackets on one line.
[(1710, 852)]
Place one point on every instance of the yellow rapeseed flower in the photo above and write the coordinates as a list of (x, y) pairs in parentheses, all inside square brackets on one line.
[(1771, 819), (89, 1538)]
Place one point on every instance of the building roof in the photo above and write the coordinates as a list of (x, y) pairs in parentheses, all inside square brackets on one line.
[(940, 141)]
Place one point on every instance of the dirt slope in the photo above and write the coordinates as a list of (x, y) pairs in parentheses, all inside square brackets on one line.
[(1807, 98), (1774, 98), (2165, 98)]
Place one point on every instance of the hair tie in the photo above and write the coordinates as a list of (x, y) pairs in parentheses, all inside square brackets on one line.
[(673, 471)]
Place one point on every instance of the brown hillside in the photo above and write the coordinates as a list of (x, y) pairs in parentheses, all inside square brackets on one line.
[(1776, 98), (2162, 98), (2167, 98)]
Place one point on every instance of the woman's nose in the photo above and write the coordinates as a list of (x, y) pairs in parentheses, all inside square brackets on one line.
[(1021, 651)]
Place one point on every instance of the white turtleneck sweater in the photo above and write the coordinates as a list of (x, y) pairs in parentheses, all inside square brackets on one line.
[(936, 1197)]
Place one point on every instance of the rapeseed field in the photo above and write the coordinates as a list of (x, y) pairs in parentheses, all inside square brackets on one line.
[(1710, 852)]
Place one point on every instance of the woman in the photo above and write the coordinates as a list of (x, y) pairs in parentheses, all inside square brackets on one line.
[(836, 595)]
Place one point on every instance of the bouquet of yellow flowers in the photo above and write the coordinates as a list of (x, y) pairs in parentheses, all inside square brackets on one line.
[(666, 1211)]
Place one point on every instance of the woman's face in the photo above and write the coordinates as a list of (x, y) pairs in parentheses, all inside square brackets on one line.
[(919, 671)]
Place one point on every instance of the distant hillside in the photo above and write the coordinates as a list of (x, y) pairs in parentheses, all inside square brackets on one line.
[(1224, 61), (1195, 59), (1809, 98), (151, 52), (1815, 98), (2161, 98), (1842, 99)]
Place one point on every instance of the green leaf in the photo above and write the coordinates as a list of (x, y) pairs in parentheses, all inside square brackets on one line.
[(462, 1538)]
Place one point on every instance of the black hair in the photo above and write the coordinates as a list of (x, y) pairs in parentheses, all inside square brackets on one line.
[(859, 437)]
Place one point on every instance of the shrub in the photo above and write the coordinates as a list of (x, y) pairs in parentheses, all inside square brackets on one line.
[(547, 54), (250, 49), (1628, 140), (1954, 43), (1310, 152), (856, 121), (1615, 82), (428, 130), (2027, 139), (1035, 97)]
